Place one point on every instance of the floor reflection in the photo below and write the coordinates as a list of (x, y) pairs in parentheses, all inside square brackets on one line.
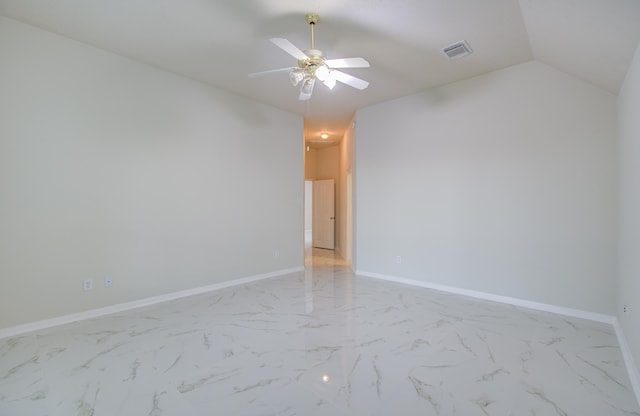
[(316, 257)]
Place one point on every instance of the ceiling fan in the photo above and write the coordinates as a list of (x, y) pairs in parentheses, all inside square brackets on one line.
[(313, 65)]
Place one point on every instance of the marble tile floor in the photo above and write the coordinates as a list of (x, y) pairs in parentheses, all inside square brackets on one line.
[(318, 342)]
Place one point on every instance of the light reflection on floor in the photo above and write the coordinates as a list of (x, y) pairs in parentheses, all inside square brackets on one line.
[(316, 257)]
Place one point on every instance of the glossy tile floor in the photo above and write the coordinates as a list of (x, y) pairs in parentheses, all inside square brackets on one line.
[(320, 342)]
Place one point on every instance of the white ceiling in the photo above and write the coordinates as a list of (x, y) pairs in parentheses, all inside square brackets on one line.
[(220, 41)]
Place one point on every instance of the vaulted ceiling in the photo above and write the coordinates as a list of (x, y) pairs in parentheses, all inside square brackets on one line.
[(220, 41)]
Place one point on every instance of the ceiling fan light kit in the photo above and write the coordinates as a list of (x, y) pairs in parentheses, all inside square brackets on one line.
[(312, 66), (295, 76), (307, 89)]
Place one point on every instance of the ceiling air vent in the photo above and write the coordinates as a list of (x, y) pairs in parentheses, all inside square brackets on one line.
[(457, 50)]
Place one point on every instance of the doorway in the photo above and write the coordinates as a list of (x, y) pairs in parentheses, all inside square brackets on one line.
[(327, 236)]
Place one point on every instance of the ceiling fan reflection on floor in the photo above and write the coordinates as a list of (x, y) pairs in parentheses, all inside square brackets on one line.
[(313, 65)]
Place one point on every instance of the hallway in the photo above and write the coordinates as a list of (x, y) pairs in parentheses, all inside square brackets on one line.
[(316, 257)]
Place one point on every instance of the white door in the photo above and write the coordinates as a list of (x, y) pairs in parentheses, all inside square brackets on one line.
[(323, 214)]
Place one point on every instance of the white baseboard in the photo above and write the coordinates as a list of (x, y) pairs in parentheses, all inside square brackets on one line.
[(632, 369), (121, 307), (561, 310)]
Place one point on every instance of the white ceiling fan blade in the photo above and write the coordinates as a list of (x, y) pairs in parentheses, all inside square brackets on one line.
[(289, 48), (350, 80), (307, 89), (330, 82), (273, 71), (347, 63)]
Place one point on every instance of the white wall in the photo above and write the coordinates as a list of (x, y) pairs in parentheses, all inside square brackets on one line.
[(310, 164), (327, 162), (308, 205), (342, 216), (504, 183), (629, 220), (112, 167)]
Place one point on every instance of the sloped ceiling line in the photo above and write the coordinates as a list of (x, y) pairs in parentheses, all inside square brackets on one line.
[(219, 41)]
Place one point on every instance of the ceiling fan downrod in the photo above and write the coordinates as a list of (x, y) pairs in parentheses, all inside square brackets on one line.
[(312, 19)]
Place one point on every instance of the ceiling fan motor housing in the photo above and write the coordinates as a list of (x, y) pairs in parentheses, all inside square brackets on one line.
[(315, 58)]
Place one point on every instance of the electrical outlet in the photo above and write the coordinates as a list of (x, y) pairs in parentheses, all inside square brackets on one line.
[(625, 309), (276, 254), (87, 284), (398, 259), (108, 281)]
